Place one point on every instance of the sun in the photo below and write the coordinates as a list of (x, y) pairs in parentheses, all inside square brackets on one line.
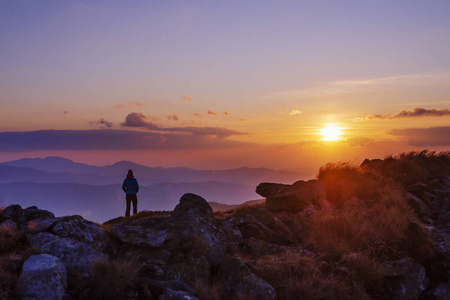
[(331, 133)]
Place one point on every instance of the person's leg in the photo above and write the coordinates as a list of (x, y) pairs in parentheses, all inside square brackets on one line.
[(135, 204), (128, 198)]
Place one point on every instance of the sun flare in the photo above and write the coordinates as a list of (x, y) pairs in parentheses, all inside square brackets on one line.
[(331, 133)]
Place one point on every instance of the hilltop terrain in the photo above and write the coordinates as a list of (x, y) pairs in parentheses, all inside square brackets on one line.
[(379, 230)]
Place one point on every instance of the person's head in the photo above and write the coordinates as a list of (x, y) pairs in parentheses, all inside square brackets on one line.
[(130, 172)]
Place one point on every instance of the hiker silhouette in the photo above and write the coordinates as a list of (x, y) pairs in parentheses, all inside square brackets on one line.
[(131, 187)]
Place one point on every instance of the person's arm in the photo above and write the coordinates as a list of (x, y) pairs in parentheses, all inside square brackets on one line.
[(137, 186), (124, 186)]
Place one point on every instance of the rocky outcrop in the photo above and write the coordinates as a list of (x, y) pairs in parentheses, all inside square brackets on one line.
[(76, 256), (42, 277), (239, 280), (405, 279), (292, 198)]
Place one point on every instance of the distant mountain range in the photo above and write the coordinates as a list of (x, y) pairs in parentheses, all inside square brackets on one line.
[(66, 187)]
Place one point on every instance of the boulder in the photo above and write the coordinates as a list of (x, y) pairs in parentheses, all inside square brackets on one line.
[(238, 280), (140, 235), (250, 226), (13, 213), (196, 232), (420, 208), (404, 279), (292, 198), (9, 224), (170, 294), (76, 256), (441, 292), (87, 232), (42, 277), (37, 225), (191, 204), (32, 213)]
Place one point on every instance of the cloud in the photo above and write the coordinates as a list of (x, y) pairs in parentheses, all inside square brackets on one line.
[(417, 112), (294, 112), (421, 112), (102, 122), (225, 113), (138, 120), (210, 112), (186, 98), (197, 115), (424, 137), (128, 104), (359, 141), (109, 139), (174, 117)]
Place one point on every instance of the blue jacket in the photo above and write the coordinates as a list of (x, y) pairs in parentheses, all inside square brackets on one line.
[(130, 186)]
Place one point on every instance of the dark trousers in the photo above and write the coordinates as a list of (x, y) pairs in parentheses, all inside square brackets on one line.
[(129, 198)]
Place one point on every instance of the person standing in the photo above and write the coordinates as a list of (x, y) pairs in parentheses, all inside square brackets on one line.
[(131, 187)]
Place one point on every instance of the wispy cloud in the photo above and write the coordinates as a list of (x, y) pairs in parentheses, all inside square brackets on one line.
[(210, 112), (346, 86), (414, 113), (102, 123), (294, 112), (424, 137), (139, 120), (128, 104), (186, 98)]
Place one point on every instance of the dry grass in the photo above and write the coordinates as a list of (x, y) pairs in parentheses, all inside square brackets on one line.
[(112, 280), (208, 291), (9, 239), (376, 225), (305, 277), (13, 253)]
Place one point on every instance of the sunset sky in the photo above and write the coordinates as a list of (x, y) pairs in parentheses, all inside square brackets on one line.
[(223, 84)]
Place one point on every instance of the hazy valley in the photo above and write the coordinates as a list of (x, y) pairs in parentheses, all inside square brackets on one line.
[(66, 187)]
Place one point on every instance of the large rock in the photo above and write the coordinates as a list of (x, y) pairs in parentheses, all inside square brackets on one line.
[(87, 232), (405, 279), (43, 277), (13, 213), (238, 279), (76, 256), (196, 232), (151, 232), (292, 198), (191, 204), (191, 231), (32, 213)]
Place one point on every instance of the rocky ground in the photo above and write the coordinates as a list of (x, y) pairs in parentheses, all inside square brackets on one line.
[(270, 251)]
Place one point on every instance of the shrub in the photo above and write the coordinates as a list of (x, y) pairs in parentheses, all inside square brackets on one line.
[(340, 180), (112, 280), (377, 225), (296, 276)]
